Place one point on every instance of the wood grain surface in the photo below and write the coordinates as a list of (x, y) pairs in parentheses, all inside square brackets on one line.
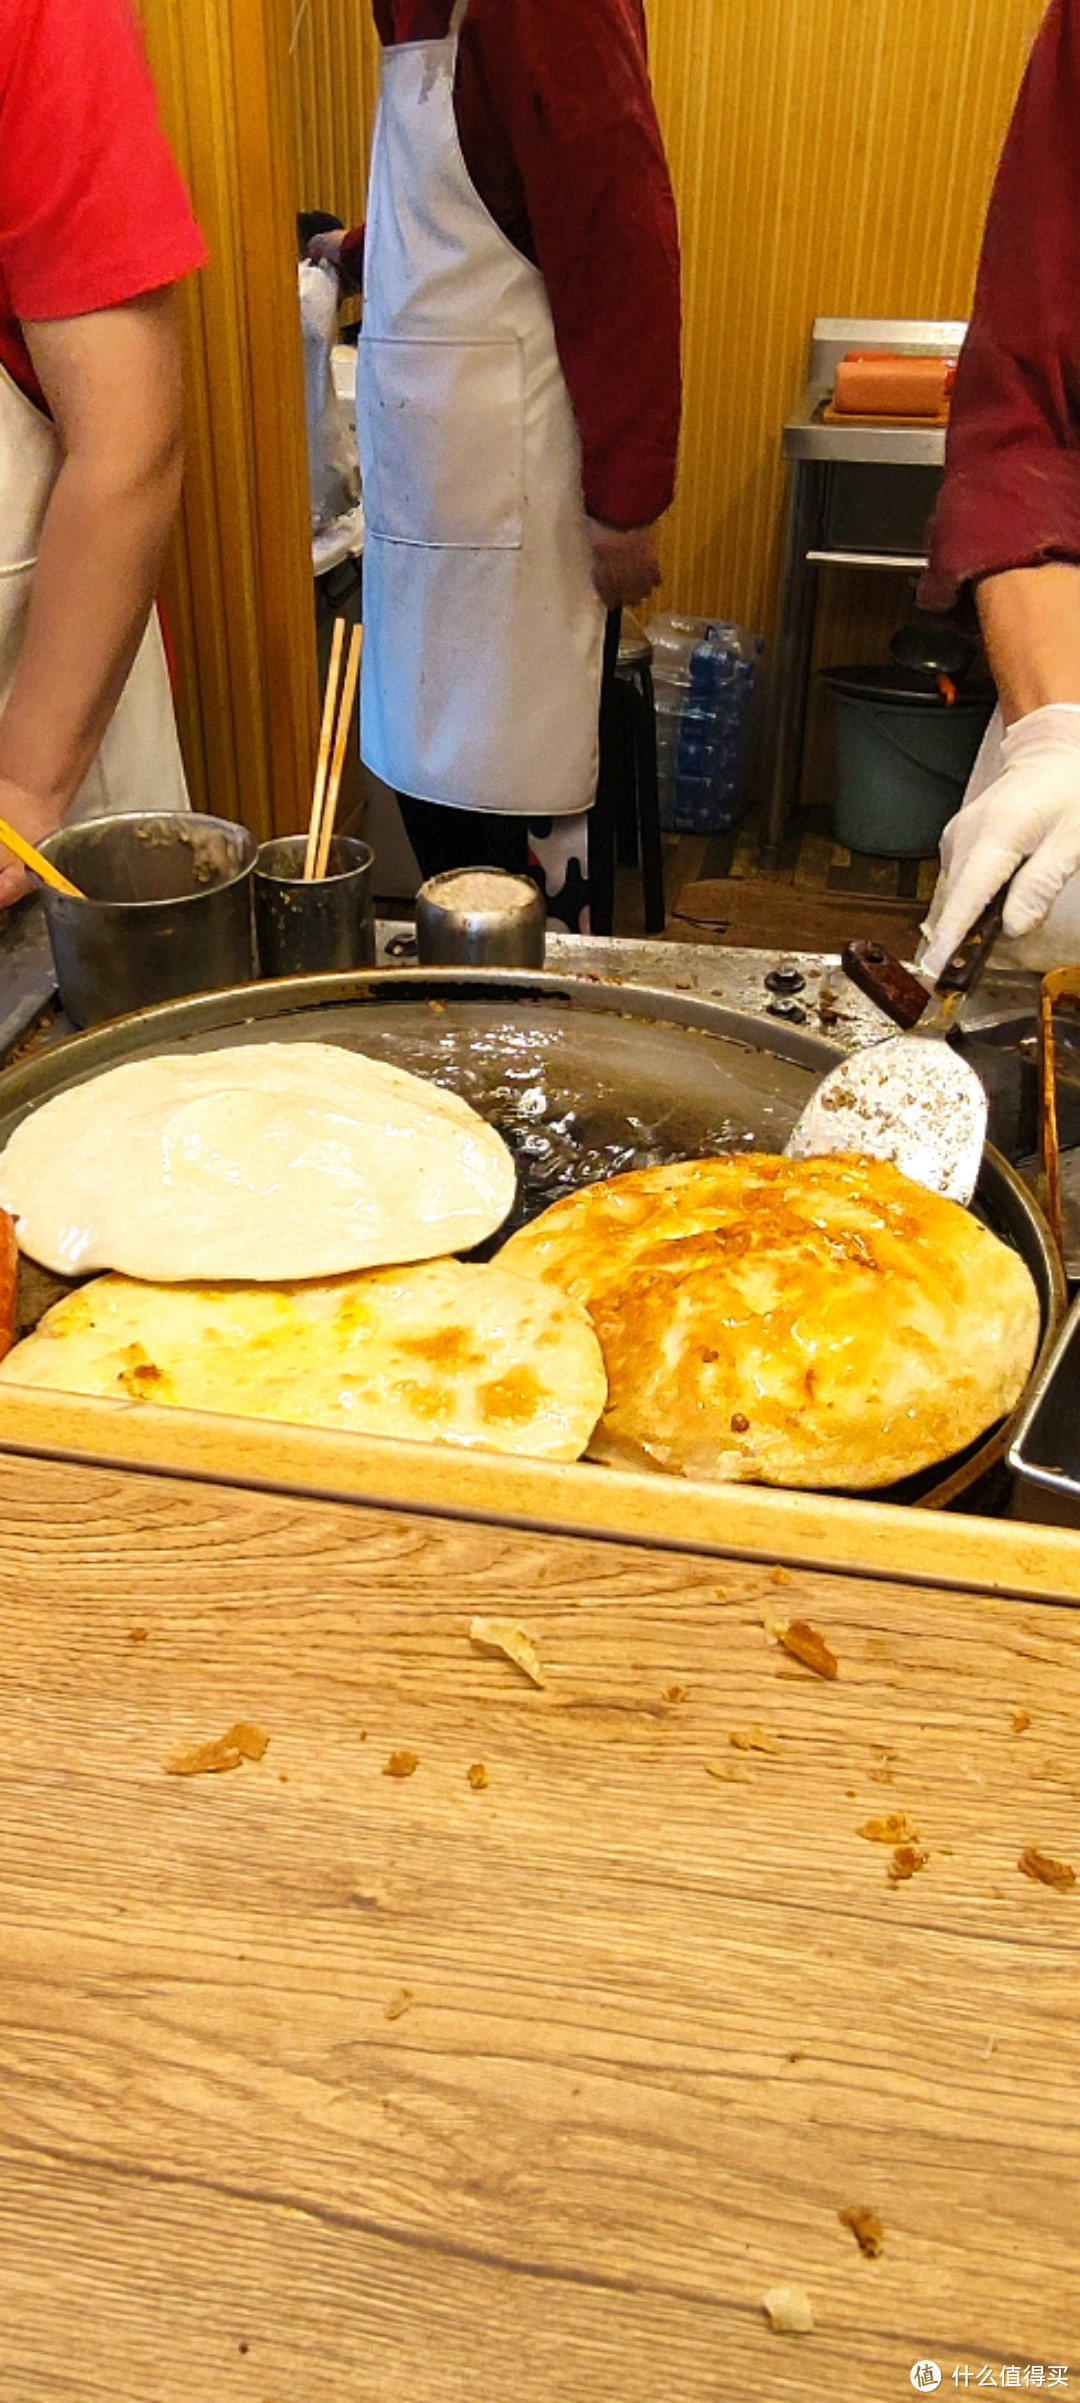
[(805, 1529), (320, 2083)]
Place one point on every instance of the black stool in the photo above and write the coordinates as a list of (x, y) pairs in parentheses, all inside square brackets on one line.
[(625, 822)]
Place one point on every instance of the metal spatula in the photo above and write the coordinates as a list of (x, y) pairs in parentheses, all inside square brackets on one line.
[(910, 1098)]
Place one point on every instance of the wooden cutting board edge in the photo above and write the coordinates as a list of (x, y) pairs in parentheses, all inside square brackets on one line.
[(803, 1530)]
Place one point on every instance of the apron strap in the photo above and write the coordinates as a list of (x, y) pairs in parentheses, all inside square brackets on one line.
[(458, 16)]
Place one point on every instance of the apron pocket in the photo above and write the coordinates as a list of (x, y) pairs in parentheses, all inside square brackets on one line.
[(442, 442)]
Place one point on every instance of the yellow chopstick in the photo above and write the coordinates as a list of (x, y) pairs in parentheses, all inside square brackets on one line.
[(348, 697), (326, 738), (36, 860)]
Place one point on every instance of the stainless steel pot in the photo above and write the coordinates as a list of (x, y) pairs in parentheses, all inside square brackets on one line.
[(166, 910)]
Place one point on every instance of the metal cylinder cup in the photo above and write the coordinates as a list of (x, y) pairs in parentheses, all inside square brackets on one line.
[(480, 918), (309, 929)]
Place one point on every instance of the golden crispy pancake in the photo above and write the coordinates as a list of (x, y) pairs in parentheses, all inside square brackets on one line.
[(440, 1352), (792, 1322)]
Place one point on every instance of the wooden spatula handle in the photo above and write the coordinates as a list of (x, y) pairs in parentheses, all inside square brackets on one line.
[(885, 980), (969, 958)]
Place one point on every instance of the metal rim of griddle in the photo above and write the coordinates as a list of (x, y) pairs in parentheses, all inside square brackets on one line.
[(1005, 1199)]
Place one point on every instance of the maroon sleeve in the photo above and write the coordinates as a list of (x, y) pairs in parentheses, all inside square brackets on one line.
[(92, 209), (351, 261), (571, 86), (1011, 496)]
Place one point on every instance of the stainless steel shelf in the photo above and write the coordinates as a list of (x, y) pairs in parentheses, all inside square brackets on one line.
[(865, 559)]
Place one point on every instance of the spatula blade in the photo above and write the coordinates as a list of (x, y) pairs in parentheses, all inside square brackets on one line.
[(908, 1100)]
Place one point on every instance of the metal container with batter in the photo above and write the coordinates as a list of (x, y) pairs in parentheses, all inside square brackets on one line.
[(165, 910)]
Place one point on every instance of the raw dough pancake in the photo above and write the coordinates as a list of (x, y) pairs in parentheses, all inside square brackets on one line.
[(791, 1322), (441, 1352), (271, 1161)]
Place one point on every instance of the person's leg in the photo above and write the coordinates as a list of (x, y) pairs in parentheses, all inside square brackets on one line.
[(445, 838), (573, 858)]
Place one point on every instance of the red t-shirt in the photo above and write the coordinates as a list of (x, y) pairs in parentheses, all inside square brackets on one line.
[(559, 132), (1011, 496), (92, 208)]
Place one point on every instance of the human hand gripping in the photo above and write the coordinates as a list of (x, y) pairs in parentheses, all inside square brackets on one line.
[(625, 563), (31, 816), (1026, 825), (324, 250)]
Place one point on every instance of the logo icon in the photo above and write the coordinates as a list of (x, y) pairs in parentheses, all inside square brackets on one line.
[(925, 2377)]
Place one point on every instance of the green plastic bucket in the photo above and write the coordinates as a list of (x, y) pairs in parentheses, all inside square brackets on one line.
[(903, 758)]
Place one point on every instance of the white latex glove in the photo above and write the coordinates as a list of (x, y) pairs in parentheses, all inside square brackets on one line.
[(1030, 814)]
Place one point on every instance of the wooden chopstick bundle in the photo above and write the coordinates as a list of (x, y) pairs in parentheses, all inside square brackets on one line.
[(333, 739)]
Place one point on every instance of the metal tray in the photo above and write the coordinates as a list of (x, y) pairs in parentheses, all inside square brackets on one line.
[(1045, 1452), (584, 1078)]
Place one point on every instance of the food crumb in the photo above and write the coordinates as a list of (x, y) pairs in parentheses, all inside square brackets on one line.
[(478, 1777), (905, 1862), (251, 1741), (808, 1645), (240, 1743), (402, 1764), (138, 1635), (893, 1830), (865, 2227), (400, 2002), (755, 1739), (881, 1777), (1020, 1720), (283, 1777), (675, 1693), (789, 2310), (1045, 1870), (779, 1577), (504, 1635), (727, 1773)]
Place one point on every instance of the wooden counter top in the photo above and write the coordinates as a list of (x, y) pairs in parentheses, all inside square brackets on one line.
[(654, 2028)]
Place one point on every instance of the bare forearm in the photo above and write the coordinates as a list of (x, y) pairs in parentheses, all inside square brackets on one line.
[(98, 567), (1030, 619)]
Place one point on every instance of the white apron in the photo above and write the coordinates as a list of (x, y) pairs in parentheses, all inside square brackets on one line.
[(483, 637), (139, 764)]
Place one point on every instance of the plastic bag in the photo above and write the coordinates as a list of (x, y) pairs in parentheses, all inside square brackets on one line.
[(333, 468)]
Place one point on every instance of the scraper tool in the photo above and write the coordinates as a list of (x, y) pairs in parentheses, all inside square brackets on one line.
[(910, 1098)]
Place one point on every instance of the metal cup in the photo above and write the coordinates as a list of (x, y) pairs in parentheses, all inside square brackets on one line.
[(480, 918), (307, 929), (166, 910)]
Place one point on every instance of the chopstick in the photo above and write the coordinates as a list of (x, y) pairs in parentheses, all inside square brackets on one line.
[(326, 736), (37, 861), (348, 698)]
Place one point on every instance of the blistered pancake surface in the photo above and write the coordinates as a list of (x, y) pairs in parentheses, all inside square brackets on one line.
[(442, 1351), (811, 1323), (271, 1161)]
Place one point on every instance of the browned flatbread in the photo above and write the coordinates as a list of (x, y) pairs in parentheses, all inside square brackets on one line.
[(791, 1322), (439, 1352)]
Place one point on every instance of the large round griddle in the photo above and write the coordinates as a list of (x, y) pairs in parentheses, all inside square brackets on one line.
[(585, 1079)]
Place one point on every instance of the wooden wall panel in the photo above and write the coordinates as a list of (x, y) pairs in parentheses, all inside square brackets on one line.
[(238, 591), (335, 70), (831, 157)]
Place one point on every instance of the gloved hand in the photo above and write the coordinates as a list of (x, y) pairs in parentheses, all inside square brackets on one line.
[(1030, 814)]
